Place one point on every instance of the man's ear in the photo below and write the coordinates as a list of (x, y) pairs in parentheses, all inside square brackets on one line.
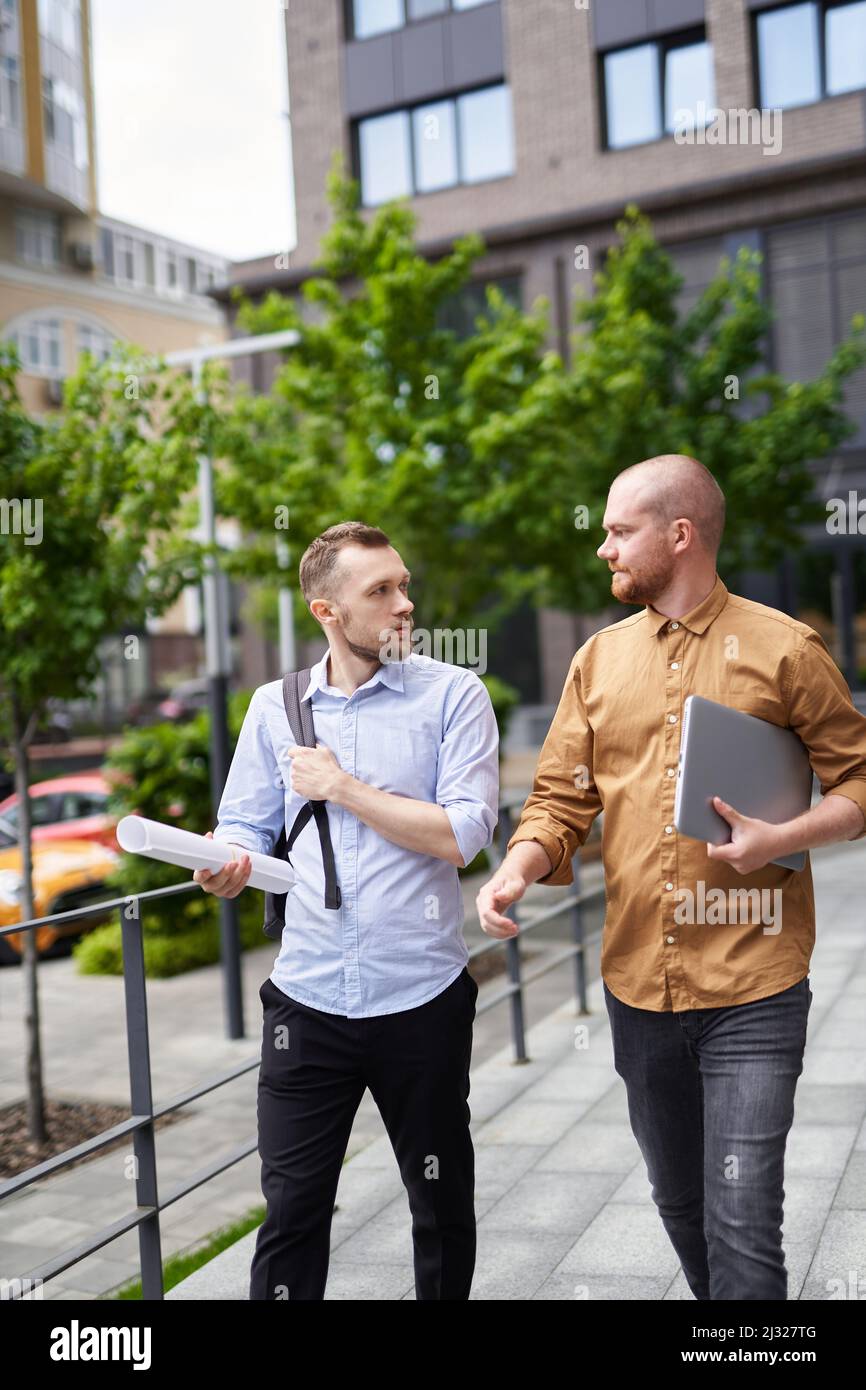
[(322, 618)]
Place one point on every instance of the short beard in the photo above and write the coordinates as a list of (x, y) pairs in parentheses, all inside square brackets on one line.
[(365, 653), (647, 586), (380, 653)]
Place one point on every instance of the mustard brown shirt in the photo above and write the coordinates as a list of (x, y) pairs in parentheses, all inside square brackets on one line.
[(614, 746)]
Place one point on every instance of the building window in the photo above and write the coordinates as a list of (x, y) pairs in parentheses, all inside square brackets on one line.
[(138, 263), (435, 143), (371, 17), (65, 127), (385, 158), (810, 51), (40, 346), (126, 259), (37, 237), (107, 239), (460, 310), (464, 139), (10, 93), (650, 89), (817, 283), (95, 340), (486, 143), (60, 21)]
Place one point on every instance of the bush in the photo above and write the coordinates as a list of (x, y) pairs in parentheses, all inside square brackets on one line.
[(162, 771), (504, 698)]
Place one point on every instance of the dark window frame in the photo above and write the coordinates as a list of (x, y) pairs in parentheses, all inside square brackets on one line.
[(476, 282), (663, 44), (832, 262), (823, 6), (453, 95), (408, 22)]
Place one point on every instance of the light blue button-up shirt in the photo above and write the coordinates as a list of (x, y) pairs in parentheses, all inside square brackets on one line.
[(418, 728)]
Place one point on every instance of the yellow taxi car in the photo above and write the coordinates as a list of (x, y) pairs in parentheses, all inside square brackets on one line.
[(66, 874)]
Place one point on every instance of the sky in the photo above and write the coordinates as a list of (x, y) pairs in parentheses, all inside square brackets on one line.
[(192, 129)]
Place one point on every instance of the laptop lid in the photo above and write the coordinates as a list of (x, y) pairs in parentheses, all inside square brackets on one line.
[(759, 768)]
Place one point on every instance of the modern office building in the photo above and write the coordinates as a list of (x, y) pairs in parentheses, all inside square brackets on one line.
[(549, 117), (72, 279)]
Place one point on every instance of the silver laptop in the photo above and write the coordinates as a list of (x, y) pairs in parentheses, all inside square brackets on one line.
[(759, 768)]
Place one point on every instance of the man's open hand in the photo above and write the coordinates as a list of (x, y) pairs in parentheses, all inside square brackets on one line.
[(753, 843), (498, 893)]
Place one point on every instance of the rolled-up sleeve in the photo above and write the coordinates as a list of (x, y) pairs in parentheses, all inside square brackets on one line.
[(467, 780), (252, 807), (823, 715), (564, 800)]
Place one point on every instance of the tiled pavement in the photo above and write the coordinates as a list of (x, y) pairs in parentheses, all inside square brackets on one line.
[(562, 1197), (563, 1202)]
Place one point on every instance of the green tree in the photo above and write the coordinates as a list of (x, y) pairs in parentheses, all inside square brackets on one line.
[(646, 379), (105, 477), (476, 454), (373, 415)]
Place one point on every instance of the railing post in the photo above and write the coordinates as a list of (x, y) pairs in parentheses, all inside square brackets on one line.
[(577, 936), (141, 1096), (512, 954)]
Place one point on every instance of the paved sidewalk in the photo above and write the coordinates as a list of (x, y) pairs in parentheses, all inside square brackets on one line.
[(562, 1197), (85, 1057)]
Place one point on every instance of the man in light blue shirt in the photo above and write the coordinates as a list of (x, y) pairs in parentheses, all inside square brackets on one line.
[(375, 993)]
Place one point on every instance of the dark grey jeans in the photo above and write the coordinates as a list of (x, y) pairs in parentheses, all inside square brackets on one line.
[(711, 1100)]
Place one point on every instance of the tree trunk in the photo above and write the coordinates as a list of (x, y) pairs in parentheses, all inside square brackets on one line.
[(35, 1096)]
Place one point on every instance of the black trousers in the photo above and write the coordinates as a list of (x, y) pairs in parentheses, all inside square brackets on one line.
[(315, 1068)]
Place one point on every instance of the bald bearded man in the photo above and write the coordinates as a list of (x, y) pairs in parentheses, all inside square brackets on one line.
[(708, 1017)]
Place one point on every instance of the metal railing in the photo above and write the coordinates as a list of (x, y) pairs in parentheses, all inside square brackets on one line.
[(142, 1120)]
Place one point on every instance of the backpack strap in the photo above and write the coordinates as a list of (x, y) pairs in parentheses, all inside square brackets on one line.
[(300, 717)]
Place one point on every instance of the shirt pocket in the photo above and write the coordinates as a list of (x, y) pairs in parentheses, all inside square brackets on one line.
[(405, 761)]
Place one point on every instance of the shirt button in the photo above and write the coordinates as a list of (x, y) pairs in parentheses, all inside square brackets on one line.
[(669, 885), (675, 665), (671, 772), (674, 626), (670, 940), (669, 830), (672, 719)]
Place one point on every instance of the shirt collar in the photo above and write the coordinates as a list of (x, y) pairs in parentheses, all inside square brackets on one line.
[(390, 673), (698, 618)]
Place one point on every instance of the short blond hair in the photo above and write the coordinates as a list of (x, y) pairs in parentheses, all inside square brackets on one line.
[(319, 572)]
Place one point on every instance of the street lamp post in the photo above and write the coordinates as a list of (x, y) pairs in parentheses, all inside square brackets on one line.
[(217, 653)]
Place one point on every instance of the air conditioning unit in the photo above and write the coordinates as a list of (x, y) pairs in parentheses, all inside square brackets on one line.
[(82, 254), (54, 390)]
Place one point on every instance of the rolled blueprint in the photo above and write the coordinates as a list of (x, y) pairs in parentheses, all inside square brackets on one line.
[(154, 840)]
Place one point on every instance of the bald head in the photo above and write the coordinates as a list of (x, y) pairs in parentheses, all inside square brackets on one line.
[(672, 486)]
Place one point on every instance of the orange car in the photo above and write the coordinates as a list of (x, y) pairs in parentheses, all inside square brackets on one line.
[(73, 807), (66, 874)]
